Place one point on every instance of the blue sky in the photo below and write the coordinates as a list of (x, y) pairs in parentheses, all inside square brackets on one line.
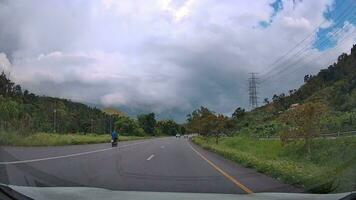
[(277, 6), (340, 12)]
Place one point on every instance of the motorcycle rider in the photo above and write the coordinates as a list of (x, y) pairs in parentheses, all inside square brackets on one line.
[(114, 136)]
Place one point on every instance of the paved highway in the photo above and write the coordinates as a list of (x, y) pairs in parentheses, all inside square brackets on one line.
[(164, 164)]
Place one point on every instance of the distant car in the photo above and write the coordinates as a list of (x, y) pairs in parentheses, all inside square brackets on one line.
[(177, 135), (186, 136)]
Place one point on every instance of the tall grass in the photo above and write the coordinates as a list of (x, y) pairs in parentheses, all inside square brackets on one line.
[(51, 139), (329, 168)]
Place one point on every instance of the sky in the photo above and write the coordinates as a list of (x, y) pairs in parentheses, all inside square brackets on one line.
[(170, 56)]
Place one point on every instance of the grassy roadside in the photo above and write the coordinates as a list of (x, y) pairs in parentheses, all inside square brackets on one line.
[(51, 139), (329, 168)]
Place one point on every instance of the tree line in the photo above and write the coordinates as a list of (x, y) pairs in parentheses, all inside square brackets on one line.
[(146, 124), (24, 112)]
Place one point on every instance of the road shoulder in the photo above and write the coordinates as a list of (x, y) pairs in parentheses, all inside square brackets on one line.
[(250, 178)]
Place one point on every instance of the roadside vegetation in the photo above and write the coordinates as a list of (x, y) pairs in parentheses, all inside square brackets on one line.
[(330, 167), (52, 139), (297, 122)]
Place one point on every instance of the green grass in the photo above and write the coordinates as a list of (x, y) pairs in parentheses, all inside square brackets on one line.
[(51, 139), (329, 168)]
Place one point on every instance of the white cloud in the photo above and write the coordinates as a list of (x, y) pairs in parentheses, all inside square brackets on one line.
[(162, 56), (178, 12), (4, 63)]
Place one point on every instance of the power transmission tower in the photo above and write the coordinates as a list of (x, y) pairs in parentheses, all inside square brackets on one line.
[(252, 89)]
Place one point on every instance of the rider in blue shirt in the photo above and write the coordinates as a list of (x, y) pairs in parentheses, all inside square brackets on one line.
[(114, 135)]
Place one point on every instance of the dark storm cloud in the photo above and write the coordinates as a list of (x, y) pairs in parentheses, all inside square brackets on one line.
[(215, 78)]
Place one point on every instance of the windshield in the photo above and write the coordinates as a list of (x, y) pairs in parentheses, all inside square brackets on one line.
[(181, 96)]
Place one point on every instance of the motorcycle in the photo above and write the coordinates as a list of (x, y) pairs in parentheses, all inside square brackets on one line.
[(114, 143)]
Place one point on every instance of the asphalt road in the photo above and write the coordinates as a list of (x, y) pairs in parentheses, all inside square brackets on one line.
[(164, 164)]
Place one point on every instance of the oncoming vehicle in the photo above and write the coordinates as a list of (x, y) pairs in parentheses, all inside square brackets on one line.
[(177, 135)]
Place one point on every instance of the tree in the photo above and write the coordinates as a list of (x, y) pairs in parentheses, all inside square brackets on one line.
[(207, 123), (275, 98), (223, 125), (6, 86), (291, 92), (196, 121), (168, 127), (306, 78), (9, 114), (147, 122), (128, 126), (303, 122), (17, 90), (265, 101), (238, 113)]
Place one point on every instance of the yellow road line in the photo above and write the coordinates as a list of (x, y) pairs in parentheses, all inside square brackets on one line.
[(232, 179)]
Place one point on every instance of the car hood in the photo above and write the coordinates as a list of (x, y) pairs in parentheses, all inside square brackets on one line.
[(87, 193)]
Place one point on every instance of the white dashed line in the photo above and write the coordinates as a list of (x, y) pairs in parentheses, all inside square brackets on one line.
[(151, 156)]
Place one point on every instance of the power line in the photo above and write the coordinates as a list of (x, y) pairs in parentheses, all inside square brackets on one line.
[(340, 42), (322, 44), (346, 11), (291, 65), (296, 61), (312, 33)]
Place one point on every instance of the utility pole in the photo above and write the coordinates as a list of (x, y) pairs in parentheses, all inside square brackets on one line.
[(54, 120), (91, 125), (252, 89), (110, 122)]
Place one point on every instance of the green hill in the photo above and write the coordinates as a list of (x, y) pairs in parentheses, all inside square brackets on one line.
[(335, 86), (297, 154), (22, 111)]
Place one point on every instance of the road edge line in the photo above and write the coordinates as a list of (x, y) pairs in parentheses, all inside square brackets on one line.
[(225, 174)]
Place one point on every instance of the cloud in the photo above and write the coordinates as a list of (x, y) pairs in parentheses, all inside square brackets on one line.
[(4, 63), (166, 56)]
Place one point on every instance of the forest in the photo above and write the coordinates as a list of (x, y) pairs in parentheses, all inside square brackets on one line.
[(24, 112)]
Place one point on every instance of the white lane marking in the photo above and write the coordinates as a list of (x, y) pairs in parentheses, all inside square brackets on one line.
[(67, 156), (151, 156), (162, 147)]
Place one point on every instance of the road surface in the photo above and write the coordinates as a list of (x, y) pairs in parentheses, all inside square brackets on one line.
[(164, 164)]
